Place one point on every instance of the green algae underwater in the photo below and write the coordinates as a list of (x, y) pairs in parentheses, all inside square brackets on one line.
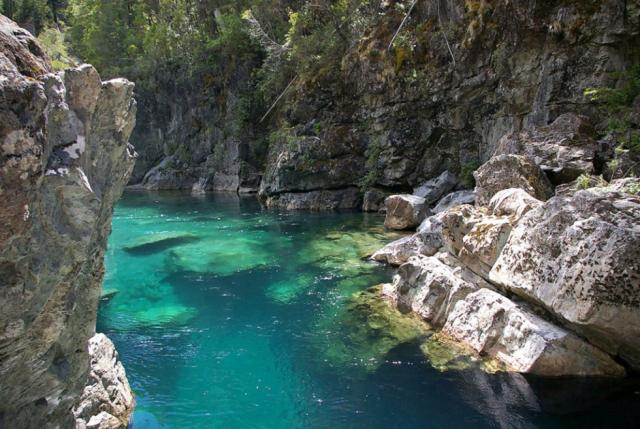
[(226, 315)]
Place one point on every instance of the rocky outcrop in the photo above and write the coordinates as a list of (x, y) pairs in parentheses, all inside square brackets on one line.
[(493, 324), (550, 288), (578, 256), (343, 199), (107, 400), (448, 296), (511, 171), (564, 150), (404, 211), (434, 189), (64, 160), (398, 252), (406, 115), (454, 199)]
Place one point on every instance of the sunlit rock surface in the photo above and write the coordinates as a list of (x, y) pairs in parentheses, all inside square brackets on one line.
[(578, 257), (107, 398), (64, 160)]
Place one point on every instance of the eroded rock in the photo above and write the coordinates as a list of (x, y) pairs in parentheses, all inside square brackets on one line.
[(493, 324), (398, 252), (579, 257), (513, 202), (510, 171), (564, 150), (64, 161), (405, 211), (107, 400)]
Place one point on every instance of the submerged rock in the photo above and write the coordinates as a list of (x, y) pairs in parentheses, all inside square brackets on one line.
[(579, 257), (370, 328), (152, 243), (107, 400), (64, 161), (405, 211), (510, 171), (491, 323)]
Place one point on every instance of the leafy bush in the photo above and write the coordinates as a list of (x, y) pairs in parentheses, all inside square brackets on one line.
[(466, 173), (617, 103)]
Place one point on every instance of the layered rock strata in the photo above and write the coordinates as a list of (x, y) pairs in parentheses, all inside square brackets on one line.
[(64, 161)]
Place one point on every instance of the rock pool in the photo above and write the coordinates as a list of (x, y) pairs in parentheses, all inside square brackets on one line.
[(229, 316)]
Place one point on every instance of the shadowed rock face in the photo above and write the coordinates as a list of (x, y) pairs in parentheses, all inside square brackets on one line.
[(64, 160)]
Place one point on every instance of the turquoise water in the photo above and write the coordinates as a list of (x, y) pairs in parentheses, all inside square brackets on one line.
[(228, 316)]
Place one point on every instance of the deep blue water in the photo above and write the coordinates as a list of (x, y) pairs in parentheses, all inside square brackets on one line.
[(228, 316)]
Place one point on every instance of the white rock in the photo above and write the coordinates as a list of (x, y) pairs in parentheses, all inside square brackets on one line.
[(399, 251), (405, 211), (454, 199), (491, 323), (513, 202), (579, 256)]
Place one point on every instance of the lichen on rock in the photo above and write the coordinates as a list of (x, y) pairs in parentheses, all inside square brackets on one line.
[(64, 161)]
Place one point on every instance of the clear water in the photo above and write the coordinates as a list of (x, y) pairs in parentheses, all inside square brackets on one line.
[(228, 316)]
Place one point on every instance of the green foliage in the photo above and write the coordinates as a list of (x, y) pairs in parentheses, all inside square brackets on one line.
[(33, 14), (53, 42), (466, 173), (373, 153), (617, 103)]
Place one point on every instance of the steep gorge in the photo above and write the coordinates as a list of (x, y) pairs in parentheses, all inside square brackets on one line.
[(460, 75)]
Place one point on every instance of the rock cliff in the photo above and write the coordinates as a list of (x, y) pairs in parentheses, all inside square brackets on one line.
[(64, 160), (550, 288)]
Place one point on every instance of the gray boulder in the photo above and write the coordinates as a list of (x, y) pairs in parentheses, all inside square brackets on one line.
[(510, 171), (564, 150), (434, 189), (454, 199), (64, 161), (579, 257), (405, 211)]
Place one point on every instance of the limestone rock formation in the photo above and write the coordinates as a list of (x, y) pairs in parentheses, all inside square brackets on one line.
[(454, 199), (434, 189), (513, 202), (572, 261), (398, 252), (510, 171), (493, 324), (578, 256), (404, 211), (107, 398), (64, 160), (564, 150)]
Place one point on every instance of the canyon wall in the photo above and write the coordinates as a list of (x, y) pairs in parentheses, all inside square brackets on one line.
[(64, 161), (460, 75)]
